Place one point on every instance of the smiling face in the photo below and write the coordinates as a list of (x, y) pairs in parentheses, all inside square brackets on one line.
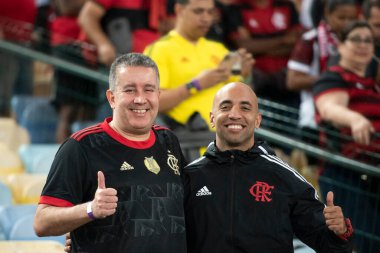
[(358, 48), (134, 99), (235, 116)]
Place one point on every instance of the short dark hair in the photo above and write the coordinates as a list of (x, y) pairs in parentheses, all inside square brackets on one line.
[(367, 6), (130, 60), (352, 26), (182, 1), (332, 5)]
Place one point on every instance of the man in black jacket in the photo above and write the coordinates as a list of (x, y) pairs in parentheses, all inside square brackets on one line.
[(240, 197)]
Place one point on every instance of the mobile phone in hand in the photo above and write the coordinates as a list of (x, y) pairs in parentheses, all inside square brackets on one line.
[(232, 62)]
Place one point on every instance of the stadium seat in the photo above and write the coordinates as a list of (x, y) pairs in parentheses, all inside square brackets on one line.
[(23, 230), (79, 125), (31, 192), (26, 188), (10, 214), (5, 195), (37, 158), (10, 162), (20, 102), (31, 247), (12, 134), (40, 120)]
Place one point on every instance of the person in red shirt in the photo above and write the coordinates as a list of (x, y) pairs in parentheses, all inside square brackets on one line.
[(268, 29), (75, 98), (16, 26), (121, 26)]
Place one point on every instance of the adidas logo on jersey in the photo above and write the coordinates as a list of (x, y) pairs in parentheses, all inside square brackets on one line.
[(203, 191), (126, 166)]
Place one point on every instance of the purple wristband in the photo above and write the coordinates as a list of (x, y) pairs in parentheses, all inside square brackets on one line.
[(89, 211), (196, 85)]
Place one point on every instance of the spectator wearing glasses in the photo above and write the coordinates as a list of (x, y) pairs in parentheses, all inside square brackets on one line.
[(350, 102), (313, 53), (371, 13)]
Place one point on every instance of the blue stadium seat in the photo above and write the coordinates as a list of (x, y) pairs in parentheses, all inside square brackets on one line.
[(37, 158), (40, 119), (10, 214), (23, 230), (79, 125), (5, 195), (20, 102)]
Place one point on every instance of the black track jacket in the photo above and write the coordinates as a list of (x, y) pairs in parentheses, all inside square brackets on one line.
[(252, 202)]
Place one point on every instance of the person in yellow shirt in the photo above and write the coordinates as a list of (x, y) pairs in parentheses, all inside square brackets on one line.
[(191, 67)]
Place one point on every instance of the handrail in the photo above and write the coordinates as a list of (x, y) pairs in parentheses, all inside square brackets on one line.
[(318, 152), (63, 64), (205, 137), (268, 135)]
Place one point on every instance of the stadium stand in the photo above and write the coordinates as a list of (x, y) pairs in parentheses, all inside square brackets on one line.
[(26, 188), (37, 158), (10, 214), (9, 161), (5, 195), (23, 230), (40, 119), (12, 135), (30, 247)]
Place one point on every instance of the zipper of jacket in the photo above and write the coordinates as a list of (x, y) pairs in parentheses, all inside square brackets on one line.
[(232, 203)]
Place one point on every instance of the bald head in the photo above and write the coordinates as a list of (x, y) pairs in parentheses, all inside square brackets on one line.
[(233, 91), (235, 116)]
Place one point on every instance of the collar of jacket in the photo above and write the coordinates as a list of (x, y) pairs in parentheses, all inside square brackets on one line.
[(259, 148)]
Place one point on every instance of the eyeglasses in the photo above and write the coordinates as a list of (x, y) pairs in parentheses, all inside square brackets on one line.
[(357, 40)]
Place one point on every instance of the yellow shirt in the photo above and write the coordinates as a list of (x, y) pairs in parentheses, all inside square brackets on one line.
[(179, 61)]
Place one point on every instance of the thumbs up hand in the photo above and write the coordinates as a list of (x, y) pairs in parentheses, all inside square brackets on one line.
[(334, 216), (105, 200)]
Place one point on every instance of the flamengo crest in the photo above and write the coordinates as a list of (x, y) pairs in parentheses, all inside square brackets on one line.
[(261, 191)]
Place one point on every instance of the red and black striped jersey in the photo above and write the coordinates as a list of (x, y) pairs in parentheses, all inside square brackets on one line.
[(364, 98)]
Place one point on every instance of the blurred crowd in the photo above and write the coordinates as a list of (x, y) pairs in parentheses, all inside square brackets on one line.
[(292, 44)]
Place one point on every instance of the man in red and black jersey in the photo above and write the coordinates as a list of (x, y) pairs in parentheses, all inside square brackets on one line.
[(117, 185), (121, 26), (268, 30)]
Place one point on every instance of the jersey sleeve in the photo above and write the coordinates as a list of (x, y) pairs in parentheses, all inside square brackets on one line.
[(329, 81), (302, 56), (68, 178)]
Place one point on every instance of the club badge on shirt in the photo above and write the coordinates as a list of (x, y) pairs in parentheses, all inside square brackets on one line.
[(152, 165), (173, 163)]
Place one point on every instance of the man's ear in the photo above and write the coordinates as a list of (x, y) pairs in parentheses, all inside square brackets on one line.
[(177, 8), (258, 120), (111, 98), (212, 120)]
